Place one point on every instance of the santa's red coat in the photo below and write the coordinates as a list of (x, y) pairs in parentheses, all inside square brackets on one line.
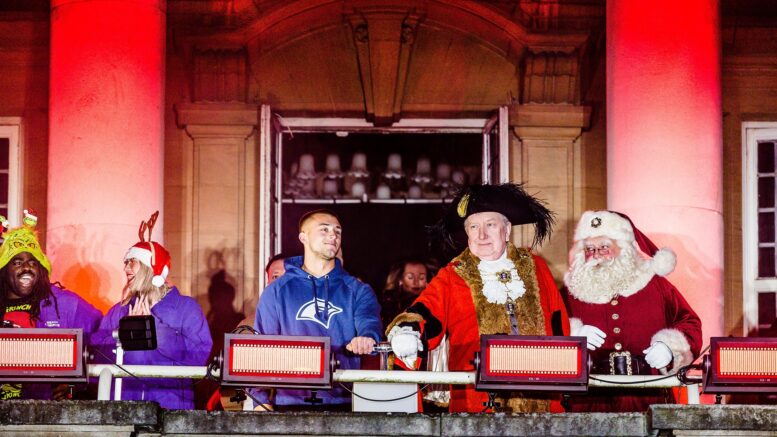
[(656, 312)]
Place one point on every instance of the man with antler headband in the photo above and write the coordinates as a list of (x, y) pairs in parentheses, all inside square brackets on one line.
[(492, 287), (183, 337), (29, 300)]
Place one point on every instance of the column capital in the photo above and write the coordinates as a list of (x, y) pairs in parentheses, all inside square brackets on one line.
[(189, 115), (559, 121)]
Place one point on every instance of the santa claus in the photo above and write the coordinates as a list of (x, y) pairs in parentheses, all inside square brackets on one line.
[(492, 287), (635, 321)]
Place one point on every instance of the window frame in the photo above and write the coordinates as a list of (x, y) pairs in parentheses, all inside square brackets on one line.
[(11, 128), (752, 133)]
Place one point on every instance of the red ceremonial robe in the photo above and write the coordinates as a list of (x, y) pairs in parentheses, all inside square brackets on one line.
[(455, 299)]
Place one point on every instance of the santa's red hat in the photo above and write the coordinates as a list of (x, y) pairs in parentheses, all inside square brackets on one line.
[(153, 255), (619, 227)]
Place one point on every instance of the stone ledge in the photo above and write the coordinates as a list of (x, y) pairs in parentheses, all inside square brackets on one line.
[(299, 423), (568, 424), (118, 413), (714, 417)]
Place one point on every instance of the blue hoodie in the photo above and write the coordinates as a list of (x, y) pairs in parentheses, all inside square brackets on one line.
[(336, 305)]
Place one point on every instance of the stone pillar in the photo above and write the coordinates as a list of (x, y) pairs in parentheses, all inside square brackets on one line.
[(106, 138), (546, 158), (220, 233), (664, 137)]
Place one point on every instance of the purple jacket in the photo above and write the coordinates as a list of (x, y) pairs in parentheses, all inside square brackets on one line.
[(66, 310), (70, 311), (183, 339)]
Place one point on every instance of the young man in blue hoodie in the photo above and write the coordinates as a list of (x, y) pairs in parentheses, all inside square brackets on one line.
[(316, 297)]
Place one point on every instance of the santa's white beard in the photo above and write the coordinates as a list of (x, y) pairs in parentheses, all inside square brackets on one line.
[(598, 280)]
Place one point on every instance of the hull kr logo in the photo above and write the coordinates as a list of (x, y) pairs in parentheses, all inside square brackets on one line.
[(308, 312)]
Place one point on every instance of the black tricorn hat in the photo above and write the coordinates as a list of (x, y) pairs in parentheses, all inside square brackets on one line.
[(510, 200)]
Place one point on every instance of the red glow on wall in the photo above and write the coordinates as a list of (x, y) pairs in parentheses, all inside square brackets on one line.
[(106, 135), (664, 137)]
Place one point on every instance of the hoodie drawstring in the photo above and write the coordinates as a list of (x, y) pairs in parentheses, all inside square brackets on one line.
[(319, 313)]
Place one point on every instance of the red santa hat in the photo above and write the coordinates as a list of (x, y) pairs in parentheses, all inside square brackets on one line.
[(619, 227), (151, 253)]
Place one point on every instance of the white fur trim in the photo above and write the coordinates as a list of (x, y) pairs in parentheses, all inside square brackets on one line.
[(574, 325), (678, 344), (139, 254), (604, 224), (144, 256), (158, 281), (638, 283), (664, 261)]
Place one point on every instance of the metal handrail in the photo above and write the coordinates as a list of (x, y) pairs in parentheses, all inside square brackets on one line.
[(106, 372)]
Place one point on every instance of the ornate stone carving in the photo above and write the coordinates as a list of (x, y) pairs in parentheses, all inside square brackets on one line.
[(551, 77), (220, 75), (383, 39)]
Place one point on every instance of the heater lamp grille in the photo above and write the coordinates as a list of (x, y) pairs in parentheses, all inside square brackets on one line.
[(741, 365), (741, 361), (277, 361), (35, 354), (532, 363), (533, 359), (277, 358)]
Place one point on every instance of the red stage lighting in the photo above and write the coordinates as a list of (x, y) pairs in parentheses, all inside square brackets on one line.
[(41, 355), (277, 361), (532, 363), (740, 365)]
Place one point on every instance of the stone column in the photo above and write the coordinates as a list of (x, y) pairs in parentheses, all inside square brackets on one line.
[(546, 158), (106, 138), (221, 230), (664, 137)]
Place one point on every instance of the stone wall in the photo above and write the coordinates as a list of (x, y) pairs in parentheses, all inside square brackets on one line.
[(43, 418)]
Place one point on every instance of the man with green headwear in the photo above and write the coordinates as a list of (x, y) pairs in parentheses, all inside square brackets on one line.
[(29, 300)]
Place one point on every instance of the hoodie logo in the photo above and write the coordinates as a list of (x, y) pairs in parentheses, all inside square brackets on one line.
[(315, 313), (52, 323)]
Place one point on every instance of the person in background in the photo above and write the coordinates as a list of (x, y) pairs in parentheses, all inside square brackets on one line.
[(635, 321), (406, 280), (183, 337), (492, 287), (273, 270), (316, 297), (29, 300)]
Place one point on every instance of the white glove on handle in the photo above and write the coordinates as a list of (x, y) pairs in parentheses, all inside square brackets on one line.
[(658, 355), (593, 335), (405, 343)]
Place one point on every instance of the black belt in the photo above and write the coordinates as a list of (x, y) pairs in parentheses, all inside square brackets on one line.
[(621, 363)]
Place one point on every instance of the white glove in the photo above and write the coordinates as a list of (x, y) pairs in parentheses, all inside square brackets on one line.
[(593, 335), (658, 355), (405, 343)]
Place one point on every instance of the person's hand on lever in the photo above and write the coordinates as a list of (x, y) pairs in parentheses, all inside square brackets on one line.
[(406, 343), (361, 345)]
